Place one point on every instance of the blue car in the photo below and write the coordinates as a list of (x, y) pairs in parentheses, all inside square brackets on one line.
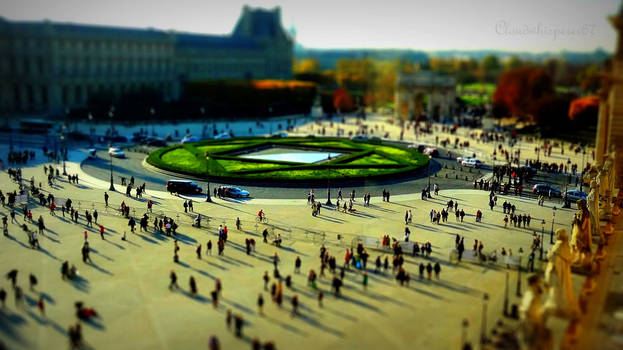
[(234, 192), (575, 195)]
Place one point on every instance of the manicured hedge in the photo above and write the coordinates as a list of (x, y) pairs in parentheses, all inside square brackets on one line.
[(216, 159)]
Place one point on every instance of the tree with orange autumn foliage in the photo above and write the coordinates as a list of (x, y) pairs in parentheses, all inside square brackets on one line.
[(521, 91), (584, 109), (342, 100)]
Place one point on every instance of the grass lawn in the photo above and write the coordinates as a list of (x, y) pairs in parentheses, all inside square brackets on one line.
[(183, 159), (362, 159), (373, 159), (486, 88)]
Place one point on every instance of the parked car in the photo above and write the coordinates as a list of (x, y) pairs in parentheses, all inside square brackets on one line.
[(279, 135), (472, 163), (545, 190), (361, 138), (183, 187), (155, 142), (234, 192), (114, 139), (528, 171), (431, 151), (462, 158), (92, 153), (116, 152), (137, 138), (575, 195), (223, 136), (189, 138)]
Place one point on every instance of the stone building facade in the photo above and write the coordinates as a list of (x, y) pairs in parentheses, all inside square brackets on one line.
[(46, 67), (425, 88)]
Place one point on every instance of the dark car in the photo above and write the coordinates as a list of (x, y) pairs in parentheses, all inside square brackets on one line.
[(545, 190), (155, 142), (183, 187), (528, 171), (234, 192), (137, 138), (116, 139)]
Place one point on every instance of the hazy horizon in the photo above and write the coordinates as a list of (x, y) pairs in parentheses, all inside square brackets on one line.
[(445, 25)]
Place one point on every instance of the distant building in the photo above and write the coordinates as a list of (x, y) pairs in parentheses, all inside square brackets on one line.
[(420, 89), (46, 67)]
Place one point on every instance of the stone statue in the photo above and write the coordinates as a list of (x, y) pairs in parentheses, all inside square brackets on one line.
[(561, 299), (592, 202), (581, 235), (532, 315), (605, 182), (602, 178)]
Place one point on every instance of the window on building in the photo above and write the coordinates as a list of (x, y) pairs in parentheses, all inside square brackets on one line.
[(44, 95), (65, 95), (30, 96), (78, 94), (17, 96), (40, 65)]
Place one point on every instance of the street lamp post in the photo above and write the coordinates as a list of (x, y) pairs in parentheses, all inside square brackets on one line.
[(91, 128), (203, 131), (152, 112), (506, 288), (518, 291), (551, 234), (112, 184), (483, 328), (328, 192), (208, 195), (64, 151), (112, 181), (465, 324), (582, 170), (430, 159)]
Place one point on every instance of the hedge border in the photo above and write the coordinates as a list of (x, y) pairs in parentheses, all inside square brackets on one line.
[(209, 161)]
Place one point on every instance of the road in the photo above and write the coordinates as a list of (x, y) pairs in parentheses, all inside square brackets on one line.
[(132, 166)]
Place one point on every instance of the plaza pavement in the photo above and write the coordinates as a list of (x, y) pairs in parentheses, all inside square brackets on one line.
[(127, 281)]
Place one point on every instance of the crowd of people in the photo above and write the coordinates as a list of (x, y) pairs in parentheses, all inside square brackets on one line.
[(355, 262)]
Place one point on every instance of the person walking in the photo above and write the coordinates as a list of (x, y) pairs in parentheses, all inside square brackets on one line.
[(266, 280), (193, 286), (437, 269), (199, 252), (101, 232), (106, 196), (260, 304), (297, 265), (173, 278)]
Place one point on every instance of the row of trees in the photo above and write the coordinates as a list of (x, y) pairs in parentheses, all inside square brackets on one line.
[(528, 93), (371, 82)]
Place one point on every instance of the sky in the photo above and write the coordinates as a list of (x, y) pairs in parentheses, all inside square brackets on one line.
[(512, 25)]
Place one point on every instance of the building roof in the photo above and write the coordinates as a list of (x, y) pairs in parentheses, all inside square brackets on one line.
[(58, 28), (200, 41)]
